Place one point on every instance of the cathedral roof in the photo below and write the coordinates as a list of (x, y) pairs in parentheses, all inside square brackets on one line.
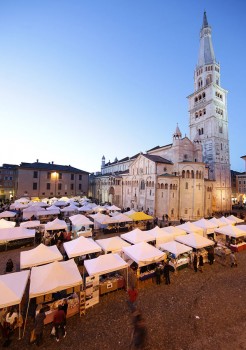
[(157, 159)]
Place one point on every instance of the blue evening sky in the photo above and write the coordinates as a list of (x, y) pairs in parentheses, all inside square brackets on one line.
[(82, 79)]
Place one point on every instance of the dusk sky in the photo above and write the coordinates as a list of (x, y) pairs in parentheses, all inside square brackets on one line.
[(82, 79)]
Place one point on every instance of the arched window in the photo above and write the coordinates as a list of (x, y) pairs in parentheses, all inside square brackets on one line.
[(171, 186), (152, 184), (183, 174), (192, 174), (162, 186), (166, 186), (204, 111), (200, 174), (200, 113), (188, 174), (199, 97), (142, 185), (203, 95), (197, 176), (158, 186)]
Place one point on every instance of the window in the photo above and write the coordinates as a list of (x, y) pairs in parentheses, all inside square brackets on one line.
[(60, 176), (35, 186), (35, 174), (71, 187), (80, 187), (59, 186), (72, 176), (48, 186), (48, 175), (80, 177), (142, 185)]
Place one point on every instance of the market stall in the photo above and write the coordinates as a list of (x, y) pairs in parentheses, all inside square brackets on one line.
[(207, 227), (197, 242), (31, 224), (7, 214), (137, 236), (140, 219), (12, 288), (189, 227), (217, 222), (6, 224), (81, 225), (178, 253), (234, 237), (112, 244), (145, 256), (107, 266), (235, 218), (56, 225), (16, 234), (81, 246), (40, 255), (54, 280)]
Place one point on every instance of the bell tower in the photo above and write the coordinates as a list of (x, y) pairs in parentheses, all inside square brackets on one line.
[(209, 119)]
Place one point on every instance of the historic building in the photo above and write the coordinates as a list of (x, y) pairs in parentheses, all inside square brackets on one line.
[(189, 178), (50, 180), (8, 181)]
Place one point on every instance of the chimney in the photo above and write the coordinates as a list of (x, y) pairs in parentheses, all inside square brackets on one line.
[(52, 162), (37, 160)]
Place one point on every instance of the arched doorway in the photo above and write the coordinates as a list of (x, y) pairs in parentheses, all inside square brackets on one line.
[(111, 195)]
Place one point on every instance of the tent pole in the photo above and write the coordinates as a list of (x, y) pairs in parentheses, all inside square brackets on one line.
[(26, 318), (19, 324), (127, 278)]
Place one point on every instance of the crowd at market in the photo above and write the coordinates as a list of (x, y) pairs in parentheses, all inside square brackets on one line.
[(140, 248)]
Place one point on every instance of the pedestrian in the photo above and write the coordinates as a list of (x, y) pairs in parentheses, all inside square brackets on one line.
[(166, 272), (200, 263), (132, 295), (64, 308), (158, 274), (233, 259), (211, 256), (195, 262), (39, 326), (9, 266), (223, 257), (139, 333), (58, 322), (11, 322)]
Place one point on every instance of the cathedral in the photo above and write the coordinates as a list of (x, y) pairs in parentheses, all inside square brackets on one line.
[(189, 178)]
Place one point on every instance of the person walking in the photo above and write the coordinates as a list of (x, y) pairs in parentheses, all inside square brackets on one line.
[(166, 272), (201, 263), (39, 326), (139, 333), (233, 259), (9, 266), (211, 256), (58, 322), (158, 274), (132, 295), (195, 262)]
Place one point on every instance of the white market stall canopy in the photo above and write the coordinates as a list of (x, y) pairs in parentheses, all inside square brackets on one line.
[(191, 228), (81, 246), (137, 236), (207, 226), (227, 221), (112, 244), (70, 208), (54, 209), (7, 214), (12, 287), (144, 253), (105, 264), (6, 224), (48, 212), (174, 230), (53, 278), (85, 208), (12, 234), (194, 240), (175, 248), (80, 220), (40, 255), (155, 232), (113, 208), (232, 231), (235, 218), (30, 224), (56, 225), (118, 217), (217, 222)]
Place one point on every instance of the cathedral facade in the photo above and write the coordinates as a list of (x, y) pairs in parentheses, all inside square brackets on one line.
[(189, 178)]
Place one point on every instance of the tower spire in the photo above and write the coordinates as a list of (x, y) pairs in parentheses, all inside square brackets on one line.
[(205, 21), (206, 51)]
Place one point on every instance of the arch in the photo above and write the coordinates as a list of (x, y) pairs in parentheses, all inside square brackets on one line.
[(171, 186), (192, 174), (183, 174), (166, 186), (197, 176), (158, 186), (162, 186), (188, 174)]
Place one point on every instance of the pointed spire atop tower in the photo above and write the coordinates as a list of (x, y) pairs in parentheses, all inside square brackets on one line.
[(205, 21), (103, 162), (177, 134)]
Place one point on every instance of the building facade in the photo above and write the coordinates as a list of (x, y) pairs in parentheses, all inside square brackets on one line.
[(8, 181), (189, 178), (50, 180)]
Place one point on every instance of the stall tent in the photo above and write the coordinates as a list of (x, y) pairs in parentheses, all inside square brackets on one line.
[(140, 216), (6, 224), (227, 221), (232, 231), (191, 228), (56, 225), (174, 230), (137, 236), (12, 287), (105, 264), (175, 248), (30, 224), (14, 233), (194, 240), (7, 214), (206, 226), (40, 255), (236, 219), (112, 244), (217, 222), (54, 209), (144, 254), (81, 246)]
